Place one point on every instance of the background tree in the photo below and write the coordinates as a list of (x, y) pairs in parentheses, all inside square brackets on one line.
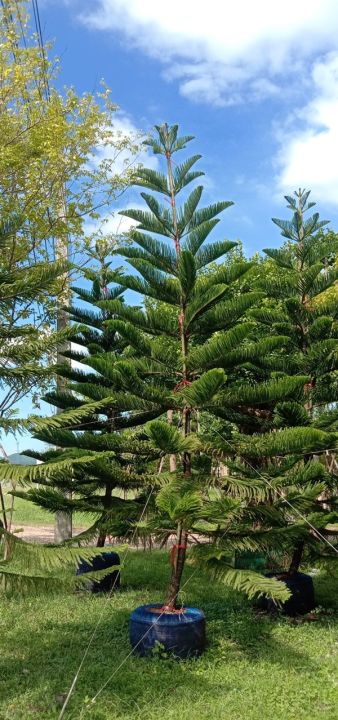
[(58, 168), (307, 298), (23, 346), (285, 435), (110, 487)]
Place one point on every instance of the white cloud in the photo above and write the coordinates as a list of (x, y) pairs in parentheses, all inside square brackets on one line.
[(309, 142), (223, 52), (113, 223), (118, 154)]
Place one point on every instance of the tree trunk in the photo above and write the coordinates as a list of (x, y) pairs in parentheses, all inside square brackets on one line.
[(177, 571), (179, 550), (172, 458), (296, 557), (3, 509), (63, 528), (107, 504)]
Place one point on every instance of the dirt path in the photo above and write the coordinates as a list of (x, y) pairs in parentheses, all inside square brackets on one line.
[(39, 533)]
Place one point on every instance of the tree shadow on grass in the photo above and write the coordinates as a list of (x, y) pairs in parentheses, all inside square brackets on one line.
[(243, 634)]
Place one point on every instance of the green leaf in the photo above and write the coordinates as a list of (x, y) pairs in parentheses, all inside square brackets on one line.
[(283, 258), (164, 290), (146, 221), (152, 180), (150, 321), (251, 583), (226, 313), (186, 213), (197, 236), (135, 337), (181, 503), (265, 393), (212, 252), (287, 441), (182, 176), (163, 253), (186, 272), (202, 392), (168, 439), (208, 213), (202, 303), (161, 214), (213, 353)]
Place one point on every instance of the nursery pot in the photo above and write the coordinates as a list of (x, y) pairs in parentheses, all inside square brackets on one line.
[(302, 599), (180, 634), (104, 561)]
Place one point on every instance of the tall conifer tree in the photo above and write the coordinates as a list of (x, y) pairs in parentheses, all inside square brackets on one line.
[(190, 354), (174, 368), (107, 487)]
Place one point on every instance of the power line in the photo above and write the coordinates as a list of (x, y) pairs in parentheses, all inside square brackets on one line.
[(20, 23), (37, 22)]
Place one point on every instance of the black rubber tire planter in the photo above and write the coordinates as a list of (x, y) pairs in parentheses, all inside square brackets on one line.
[(302, 599), (102, 562), (181, 635)]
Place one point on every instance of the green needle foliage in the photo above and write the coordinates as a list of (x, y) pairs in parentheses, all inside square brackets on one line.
[(195, 403), (185, 346), (282, 454), (161, 367), (306, 296), (24, 347), (96, 468)]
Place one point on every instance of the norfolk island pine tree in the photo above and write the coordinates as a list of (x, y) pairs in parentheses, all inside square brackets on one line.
[(207, 333), (306, 297), (282, 440), (108, 487), (131, 372)]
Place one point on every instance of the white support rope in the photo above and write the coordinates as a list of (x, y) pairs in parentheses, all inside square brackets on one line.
[(113, 674), (86, 651), (280, 494), (93, 700)]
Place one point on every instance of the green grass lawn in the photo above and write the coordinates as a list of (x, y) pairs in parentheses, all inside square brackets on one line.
[(255, 668), (29, 514)]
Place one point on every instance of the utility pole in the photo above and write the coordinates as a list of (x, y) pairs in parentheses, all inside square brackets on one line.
[(63, 526), (63, 520)]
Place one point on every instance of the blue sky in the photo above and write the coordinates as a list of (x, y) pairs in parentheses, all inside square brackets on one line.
[(255, 82)]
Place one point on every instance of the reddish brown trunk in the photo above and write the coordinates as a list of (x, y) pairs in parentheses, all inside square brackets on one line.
[(177, 571), (179, 552)]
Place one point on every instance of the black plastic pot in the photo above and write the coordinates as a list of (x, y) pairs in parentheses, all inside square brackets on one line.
[(181, 635), (302, 599), (104, 561)]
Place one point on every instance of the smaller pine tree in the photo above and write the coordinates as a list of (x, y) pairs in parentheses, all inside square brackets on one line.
[(295, 433), (97, 476)]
